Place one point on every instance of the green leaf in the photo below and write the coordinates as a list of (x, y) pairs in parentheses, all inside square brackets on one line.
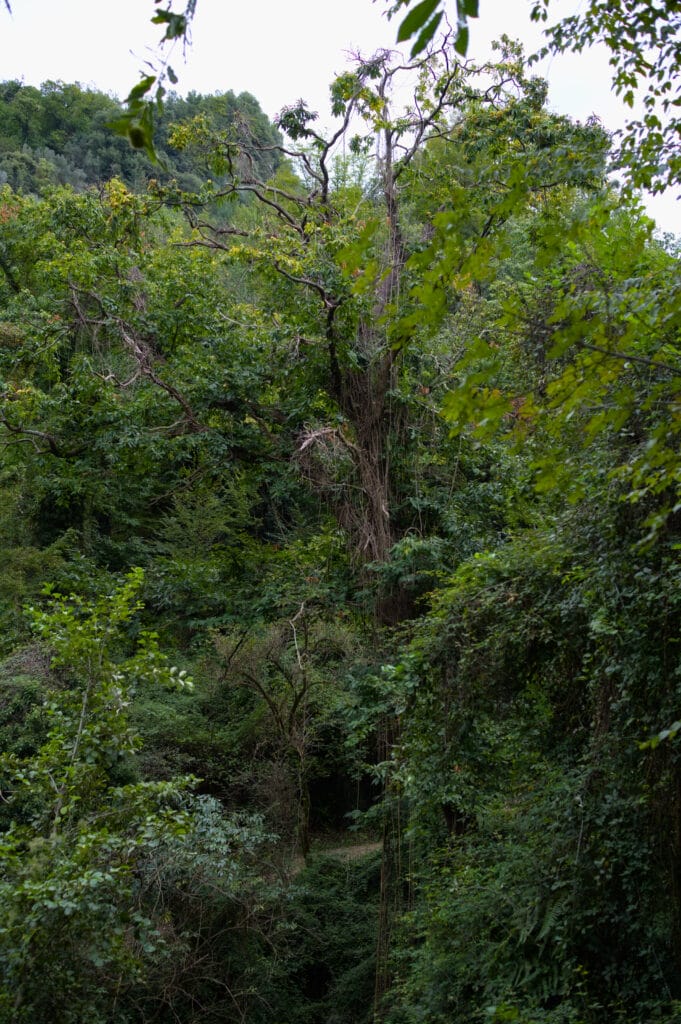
[(176, 24), (666, 734), (427, 34), (461, 42), (119, 126), (416, 18), (141, 89)]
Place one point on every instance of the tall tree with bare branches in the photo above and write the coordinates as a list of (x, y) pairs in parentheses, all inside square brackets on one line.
[(361, 277)]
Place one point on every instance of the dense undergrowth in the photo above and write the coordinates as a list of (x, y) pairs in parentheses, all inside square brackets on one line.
[(338, 493)]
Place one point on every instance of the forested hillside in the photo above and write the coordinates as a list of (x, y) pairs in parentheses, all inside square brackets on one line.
[(62, 134), (339, 530)]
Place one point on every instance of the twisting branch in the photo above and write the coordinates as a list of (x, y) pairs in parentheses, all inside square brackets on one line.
[(30, 435), (265, 192), (141, 352), (330, 302), (292, 623), (653, 364), (328, 146)]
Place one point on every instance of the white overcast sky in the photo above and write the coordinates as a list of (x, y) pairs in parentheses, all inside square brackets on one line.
[(278, 50)]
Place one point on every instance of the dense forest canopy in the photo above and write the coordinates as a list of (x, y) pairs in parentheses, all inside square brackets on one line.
[(339, 532)]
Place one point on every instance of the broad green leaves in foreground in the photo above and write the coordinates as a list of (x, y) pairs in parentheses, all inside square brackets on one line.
[(601, 324), (69, 857)]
